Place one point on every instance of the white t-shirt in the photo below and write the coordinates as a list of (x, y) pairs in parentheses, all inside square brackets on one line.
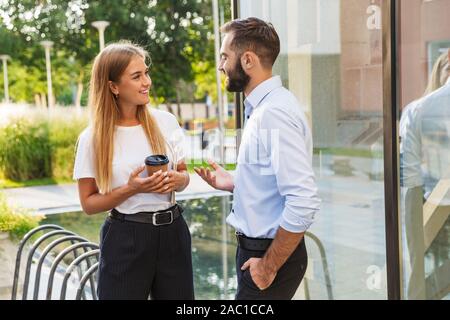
[(131, 147)]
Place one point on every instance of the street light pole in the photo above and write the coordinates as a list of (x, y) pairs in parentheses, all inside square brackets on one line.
[(47, 46), (5, 59), (218, 82), (101, 26)]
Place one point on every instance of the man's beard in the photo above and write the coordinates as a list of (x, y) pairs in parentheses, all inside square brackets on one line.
[(237, 78)]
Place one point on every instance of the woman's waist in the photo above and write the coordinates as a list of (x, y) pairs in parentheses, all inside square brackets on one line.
[(145, 202)]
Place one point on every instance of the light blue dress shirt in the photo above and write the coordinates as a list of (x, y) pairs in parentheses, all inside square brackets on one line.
[(274, 179), (425, 142)]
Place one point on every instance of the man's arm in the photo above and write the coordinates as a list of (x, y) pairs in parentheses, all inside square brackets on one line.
[(292, 167), (263, 270)]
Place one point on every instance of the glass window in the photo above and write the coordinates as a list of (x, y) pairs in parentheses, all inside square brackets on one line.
[(331, 59), (425, 148)]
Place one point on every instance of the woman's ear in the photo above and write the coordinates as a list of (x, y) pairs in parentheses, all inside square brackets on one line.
[(113, 88)]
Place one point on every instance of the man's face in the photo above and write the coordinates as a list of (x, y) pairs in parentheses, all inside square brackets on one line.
[(230, 65)]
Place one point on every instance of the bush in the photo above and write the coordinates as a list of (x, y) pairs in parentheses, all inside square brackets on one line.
[(40, 147), (63, 138), (16, 222), (25, 151)]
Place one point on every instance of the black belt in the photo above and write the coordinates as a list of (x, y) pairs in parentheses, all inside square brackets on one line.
[(255, 244), (157, 218)]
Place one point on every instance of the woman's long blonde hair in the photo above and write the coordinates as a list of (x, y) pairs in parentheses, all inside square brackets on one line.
[(109, 65), (439, 74)]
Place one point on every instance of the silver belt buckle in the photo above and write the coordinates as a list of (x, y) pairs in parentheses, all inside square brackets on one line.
[(164, 223)]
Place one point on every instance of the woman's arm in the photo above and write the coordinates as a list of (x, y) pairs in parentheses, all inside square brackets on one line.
[(182, 170), (93, 202)]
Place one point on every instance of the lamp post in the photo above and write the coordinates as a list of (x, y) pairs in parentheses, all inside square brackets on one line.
[(47, 46), (5, 58), (101, 26), (218, 82)]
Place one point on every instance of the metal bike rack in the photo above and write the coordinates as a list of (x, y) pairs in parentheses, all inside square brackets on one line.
[(44, 254), (19, 253), (326, 271), (75, 264), (83, 280), (60, 257), (91, 250), (31, 254)]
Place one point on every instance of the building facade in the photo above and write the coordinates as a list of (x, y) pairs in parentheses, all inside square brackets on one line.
[(357, 66)]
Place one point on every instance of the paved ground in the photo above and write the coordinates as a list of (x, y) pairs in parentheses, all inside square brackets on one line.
[(64, 198)]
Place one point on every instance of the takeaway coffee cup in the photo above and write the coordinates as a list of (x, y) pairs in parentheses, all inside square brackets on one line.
[(155, 163)]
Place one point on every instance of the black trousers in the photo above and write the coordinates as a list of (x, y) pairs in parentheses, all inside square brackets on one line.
[(286, 281), (139, 260)]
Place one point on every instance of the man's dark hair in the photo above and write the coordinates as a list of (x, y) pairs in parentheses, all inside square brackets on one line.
[(255, 35)]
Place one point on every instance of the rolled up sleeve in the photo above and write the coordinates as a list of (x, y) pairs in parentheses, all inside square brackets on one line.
[(291, 161)]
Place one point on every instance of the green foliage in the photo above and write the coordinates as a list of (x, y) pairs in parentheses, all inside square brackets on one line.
[(25, 151), (87, 226), (63, 137), (198, 163), (178, 34), (15, 221), (39, 147)]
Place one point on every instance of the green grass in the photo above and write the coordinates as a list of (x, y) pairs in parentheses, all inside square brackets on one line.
[(78, 222), (196, 163), (349, 152), (16, 221)]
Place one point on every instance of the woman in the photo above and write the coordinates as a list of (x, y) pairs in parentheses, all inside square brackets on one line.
[(145, 244)]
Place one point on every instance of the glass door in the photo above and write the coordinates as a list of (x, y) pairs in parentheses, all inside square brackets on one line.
[(424, 135)]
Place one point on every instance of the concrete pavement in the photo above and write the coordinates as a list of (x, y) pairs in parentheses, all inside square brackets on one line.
[(64, 198)]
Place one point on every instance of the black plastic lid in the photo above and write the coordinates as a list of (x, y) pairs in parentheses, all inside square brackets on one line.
[(156, 160)]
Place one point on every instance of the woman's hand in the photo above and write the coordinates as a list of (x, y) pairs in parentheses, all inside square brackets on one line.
[(154, 183), (173, 182)]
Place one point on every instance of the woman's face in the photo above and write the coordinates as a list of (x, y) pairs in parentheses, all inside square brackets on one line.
[(134, 84)]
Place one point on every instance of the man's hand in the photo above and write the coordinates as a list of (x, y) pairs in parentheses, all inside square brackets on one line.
[(261, 276), (219, 179)]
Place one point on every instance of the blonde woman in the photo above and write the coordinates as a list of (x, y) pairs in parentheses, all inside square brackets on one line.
[(145, 244), (437, 78)]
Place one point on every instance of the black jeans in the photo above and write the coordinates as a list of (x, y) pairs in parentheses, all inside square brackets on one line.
[(286, 282), (139, 260)]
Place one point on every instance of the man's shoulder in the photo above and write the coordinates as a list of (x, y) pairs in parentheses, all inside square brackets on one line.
[(285, 102)]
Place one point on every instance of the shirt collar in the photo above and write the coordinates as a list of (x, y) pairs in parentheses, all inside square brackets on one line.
[(260, 92)]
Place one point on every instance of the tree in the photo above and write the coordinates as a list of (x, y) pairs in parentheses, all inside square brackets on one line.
[(176, 33)]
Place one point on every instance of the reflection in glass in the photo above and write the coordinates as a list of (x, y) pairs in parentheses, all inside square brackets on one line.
[(213, 244), (425, 149), (331, 59)]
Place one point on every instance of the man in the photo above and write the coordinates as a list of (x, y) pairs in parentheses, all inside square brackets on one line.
[(275, 195), (425, 178)]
